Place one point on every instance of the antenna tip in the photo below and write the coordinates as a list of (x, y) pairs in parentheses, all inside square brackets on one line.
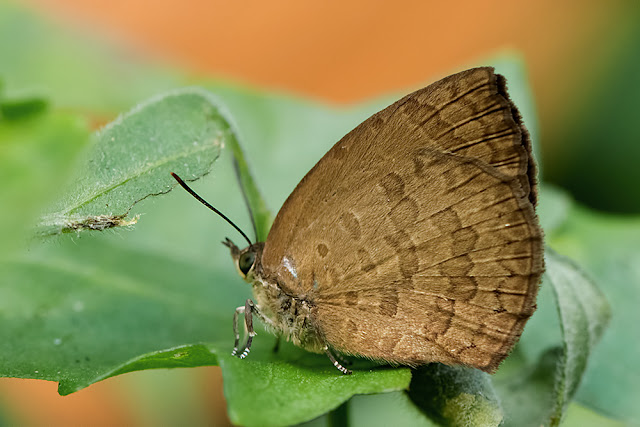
[(177, 178)]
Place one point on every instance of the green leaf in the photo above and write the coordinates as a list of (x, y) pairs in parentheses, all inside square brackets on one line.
[(132, 158), (455, 395), (103, 307), (280, 393), (185, 356), (584, 315)]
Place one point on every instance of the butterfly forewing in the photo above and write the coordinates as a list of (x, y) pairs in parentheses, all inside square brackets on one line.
[(415, 237)]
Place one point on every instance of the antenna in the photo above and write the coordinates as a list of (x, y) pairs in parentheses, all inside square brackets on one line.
[(204, 202)]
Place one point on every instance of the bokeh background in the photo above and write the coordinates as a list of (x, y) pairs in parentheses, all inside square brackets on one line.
[(582, 57)]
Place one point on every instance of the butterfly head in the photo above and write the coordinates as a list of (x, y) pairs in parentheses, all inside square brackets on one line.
[(245, 260)]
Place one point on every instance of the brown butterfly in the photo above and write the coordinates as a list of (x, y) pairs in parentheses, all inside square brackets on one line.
[(413, 240)]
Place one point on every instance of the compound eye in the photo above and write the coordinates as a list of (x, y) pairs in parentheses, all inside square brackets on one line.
[(246, 261)]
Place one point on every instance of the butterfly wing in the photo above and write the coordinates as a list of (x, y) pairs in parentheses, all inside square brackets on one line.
[(415, 236)]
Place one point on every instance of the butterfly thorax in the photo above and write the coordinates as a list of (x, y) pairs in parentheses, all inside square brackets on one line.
[(285, 314)]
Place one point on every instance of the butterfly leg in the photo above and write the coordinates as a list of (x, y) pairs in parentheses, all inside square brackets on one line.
[(342, 360), (335, 362), (248, 310), (248, 321), (239, 310)]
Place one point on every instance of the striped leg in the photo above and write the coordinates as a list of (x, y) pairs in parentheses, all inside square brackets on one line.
[(342, 360), (248, 310), (239, 310), (335, 362)]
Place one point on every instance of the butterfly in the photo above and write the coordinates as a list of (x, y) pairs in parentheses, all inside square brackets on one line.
[(413, 240)]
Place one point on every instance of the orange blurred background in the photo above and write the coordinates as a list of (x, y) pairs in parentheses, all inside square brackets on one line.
[(341, 52), (348, 51)]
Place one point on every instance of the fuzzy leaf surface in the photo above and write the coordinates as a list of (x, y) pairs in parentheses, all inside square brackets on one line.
[(133, 156)]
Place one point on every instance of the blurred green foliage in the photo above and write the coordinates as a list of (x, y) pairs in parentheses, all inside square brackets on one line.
[(37, 150), (41, 60), (81, 308), (597, 150), (608, 247)]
